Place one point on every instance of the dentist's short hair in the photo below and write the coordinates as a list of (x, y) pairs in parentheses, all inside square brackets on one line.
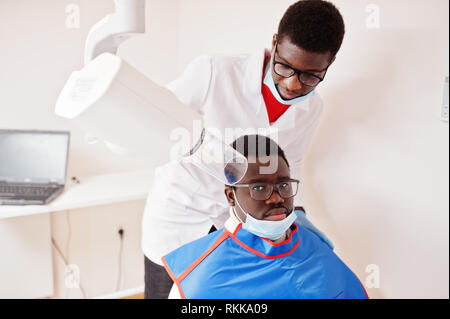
[(313, 25)]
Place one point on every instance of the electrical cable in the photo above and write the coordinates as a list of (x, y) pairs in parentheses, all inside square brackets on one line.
[(67, 264), (69, 237), (119, 277), (63, 257)]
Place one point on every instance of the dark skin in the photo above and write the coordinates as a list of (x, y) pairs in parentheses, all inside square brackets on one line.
[(289, 88), (294, 56), (262, 209), (299, 59)]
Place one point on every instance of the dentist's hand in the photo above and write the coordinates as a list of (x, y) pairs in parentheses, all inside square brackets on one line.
[(302, 220)]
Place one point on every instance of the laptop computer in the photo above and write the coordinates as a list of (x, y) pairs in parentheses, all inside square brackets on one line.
[(33, 166)]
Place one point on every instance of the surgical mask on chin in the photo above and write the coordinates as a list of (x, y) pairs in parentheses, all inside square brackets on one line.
[(271, 229), (268, 80)]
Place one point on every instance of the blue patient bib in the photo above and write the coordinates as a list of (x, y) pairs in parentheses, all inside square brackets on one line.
[(240, 265)]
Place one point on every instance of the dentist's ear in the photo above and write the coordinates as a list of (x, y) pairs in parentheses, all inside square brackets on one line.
[(230, 195), (274, 41), (332, 60)]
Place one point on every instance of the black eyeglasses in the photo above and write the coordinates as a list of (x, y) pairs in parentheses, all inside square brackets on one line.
[(263, 191), (286, 71)]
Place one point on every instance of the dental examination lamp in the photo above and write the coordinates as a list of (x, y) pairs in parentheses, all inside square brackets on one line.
[(117, 104)]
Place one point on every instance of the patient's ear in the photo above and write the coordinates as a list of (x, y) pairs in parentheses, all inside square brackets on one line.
[(230, 195)]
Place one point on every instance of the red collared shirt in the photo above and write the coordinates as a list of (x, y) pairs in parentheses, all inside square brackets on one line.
[(274, 108)]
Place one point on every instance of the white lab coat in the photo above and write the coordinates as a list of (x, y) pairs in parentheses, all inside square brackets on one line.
[(184, 201)]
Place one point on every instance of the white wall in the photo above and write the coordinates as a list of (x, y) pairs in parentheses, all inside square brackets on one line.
[(378, 170), (38, 51), (34, 267), (376, 176)]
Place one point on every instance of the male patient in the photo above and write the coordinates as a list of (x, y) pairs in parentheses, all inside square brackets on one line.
[(261, 253)]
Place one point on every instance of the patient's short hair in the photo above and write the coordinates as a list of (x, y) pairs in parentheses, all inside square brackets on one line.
[(258, 145)]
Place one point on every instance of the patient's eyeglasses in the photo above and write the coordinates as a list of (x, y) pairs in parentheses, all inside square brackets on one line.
[(263, 191)]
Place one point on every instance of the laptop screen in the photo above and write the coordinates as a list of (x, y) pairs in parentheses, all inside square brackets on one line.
[(33, 156)]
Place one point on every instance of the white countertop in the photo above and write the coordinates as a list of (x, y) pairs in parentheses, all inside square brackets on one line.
[(91, 191)]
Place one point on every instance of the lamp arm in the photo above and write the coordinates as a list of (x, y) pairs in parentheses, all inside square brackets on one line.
[(115, 28)]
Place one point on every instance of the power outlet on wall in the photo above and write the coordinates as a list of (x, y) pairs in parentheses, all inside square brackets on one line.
[(119, 230)]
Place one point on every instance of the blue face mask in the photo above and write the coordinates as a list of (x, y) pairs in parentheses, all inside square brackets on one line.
[(268, 80), (271, 229)]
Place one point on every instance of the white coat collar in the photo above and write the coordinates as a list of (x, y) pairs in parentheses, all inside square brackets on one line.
[(253, 79), (232, 222)]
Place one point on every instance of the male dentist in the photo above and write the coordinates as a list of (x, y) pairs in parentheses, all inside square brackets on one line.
[(272, 90)]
